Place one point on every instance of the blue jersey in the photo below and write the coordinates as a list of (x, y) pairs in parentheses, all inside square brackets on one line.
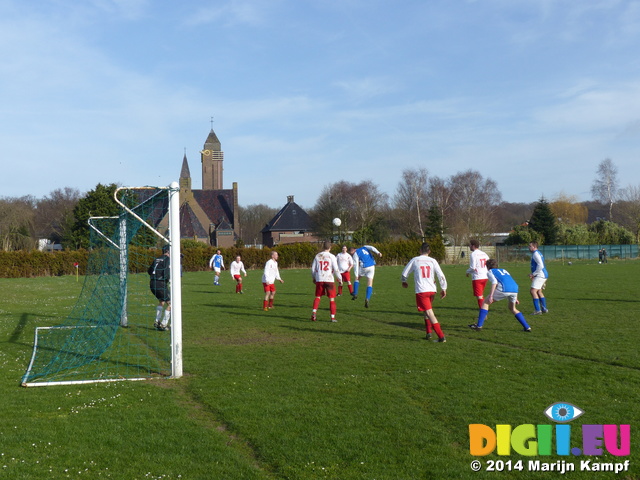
[(216, 261), (538, 267), (505, 281), (364, 256)]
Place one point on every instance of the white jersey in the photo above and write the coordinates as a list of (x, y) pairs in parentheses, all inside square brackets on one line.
[(425, 269), (325, 267), (271, 272), (478, 265), (345, 262), (236, 268)]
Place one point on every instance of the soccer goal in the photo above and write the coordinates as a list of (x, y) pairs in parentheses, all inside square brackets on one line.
[(110, 334)]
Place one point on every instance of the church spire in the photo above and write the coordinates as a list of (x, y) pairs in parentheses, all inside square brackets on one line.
[(185, 175)]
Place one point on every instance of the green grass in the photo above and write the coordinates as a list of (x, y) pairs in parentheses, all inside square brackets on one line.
[(270, 395)]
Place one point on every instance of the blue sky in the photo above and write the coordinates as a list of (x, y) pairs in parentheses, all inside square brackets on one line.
[(532, 93)]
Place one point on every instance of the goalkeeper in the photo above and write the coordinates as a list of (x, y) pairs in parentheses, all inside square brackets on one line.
[(159, 272)]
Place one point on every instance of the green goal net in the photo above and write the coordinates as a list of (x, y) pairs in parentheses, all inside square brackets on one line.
[(110, 334)]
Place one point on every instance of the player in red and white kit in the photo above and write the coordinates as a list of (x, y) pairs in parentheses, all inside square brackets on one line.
[(269, 277), (478, 270), (323, 269), (236, 268), (345, 264), (425, 269)]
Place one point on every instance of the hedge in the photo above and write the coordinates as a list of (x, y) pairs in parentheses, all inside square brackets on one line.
[(196, 258)]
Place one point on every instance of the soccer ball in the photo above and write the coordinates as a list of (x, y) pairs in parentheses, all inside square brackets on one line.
[(337, 222)]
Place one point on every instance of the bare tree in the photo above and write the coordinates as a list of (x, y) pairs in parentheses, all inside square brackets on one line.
[(629, 207), (16, 223), (360, 207), (605, 186), (411, 201), (474, 203), (54, 213), (253, 219)]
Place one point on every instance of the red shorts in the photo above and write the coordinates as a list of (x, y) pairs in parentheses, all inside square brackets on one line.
[(478, 287), (269, 287), (326, 288), (423, 300), (346, 276), (237, 277)]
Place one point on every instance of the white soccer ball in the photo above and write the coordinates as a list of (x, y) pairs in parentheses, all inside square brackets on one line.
[(337, 222)]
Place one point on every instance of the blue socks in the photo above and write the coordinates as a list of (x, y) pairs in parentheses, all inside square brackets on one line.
[(523, 322), (536, 304), (482, 316), (369, 292), (356, 284)]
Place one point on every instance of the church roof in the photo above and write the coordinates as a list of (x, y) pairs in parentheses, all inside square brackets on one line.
[(291, 217), (212, 142), (217, 204), (190, 226)]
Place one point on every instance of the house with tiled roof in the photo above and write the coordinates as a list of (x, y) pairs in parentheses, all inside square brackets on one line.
[(290, 225), (209, 215)]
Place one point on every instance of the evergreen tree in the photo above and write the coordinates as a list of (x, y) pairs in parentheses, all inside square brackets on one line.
[(435, 223), (544, 222), (99, 202)]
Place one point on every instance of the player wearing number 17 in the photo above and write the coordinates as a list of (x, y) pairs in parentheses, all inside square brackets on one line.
[(323, 269), (425, 269)]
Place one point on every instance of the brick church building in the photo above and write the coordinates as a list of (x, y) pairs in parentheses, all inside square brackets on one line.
[(209, 215)]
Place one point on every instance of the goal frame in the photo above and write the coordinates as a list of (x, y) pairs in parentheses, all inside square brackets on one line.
[(173, 240)]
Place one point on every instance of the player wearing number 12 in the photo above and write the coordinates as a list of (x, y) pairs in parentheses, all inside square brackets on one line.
[(425, 269), (478, 270), (323, 269)]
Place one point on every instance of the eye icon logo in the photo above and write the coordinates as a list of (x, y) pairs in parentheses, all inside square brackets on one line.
[(562, 412)]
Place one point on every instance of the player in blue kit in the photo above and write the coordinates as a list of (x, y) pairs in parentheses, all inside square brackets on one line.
[(538, 278), (364, 265), (502, 286), (216, 263)]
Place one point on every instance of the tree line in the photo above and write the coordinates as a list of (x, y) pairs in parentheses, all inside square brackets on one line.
[(423, 206)]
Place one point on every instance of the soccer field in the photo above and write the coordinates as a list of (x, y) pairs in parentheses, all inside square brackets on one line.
[(271, 395)]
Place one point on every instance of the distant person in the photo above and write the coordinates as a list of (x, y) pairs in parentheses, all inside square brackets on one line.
[(600, 255), (323, 269), (425, 269), (236, 269), (269, 277), (216, 263), (604, 255), (478, 270), (160, 273), (364, 265), (538, 278), (502, 286), (345, 264)]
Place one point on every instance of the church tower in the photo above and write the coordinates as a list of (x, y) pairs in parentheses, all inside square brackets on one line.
[(212, 157)]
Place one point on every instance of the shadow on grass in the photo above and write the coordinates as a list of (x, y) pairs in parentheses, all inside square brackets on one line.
[(339, 332), (18, 332)]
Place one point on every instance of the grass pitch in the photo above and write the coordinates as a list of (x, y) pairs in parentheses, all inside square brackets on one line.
[(271, 395)]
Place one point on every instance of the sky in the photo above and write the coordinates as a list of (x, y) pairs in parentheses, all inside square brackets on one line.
[(533, 94)]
